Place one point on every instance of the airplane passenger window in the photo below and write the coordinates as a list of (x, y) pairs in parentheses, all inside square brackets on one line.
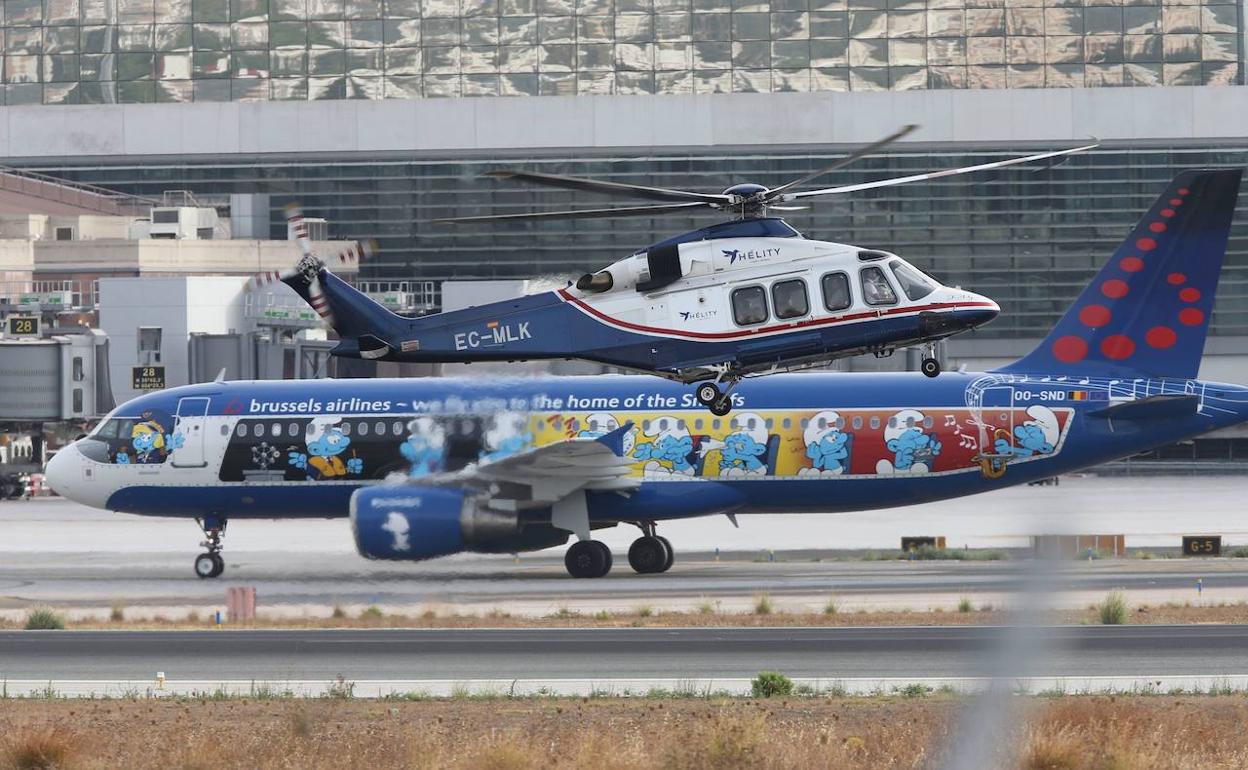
[(241, 430), (276, 430), (913, 283), (397, 428), (875, 423), (225, 430), (857, 422), (379, 429), (836, 292), (292, 430), (749, 306), (363, 429), (789, 299), (875, 287)]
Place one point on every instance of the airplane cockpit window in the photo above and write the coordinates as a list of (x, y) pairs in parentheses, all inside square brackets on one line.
[(789, 299), (749, 305), (876, 289), (836, 292), (914, 283)]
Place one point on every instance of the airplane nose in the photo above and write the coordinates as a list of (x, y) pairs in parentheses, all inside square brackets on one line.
[(59, 473), (985, 310)]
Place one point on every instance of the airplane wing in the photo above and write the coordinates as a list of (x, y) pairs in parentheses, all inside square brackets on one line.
[(555, 471)]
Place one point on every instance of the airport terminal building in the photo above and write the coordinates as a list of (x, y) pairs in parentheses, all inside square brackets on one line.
[(380, 115)]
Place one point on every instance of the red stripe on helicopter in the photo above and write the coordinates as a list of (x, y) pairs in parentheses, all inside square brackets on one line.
[(565, 296)]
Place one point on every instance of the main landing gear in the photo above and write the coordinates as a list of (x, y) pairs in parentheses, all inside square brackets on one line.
[(211, 564), (709, 395), (929, 365), (649, 554)]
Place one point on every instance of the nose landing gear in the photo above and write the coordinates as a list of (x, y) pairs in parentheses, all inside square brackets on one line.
[(211, 564)]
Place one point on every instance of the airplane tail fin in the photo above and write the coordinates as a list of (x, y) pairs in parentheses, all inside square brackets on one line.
[(1146, 313)]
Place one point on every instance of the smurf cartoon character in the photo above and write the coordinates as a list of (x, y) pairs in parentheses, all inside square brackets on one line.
[(325, 442), (913, 450), (1036, 436), (399, 528), (667, 453), (826, 446), (744, 452), (509, 434), (151, 439), (425, 447)]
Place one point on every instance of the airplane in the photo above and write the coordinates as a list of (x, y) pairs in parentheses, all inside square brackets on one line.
[(430, 467), (746, 297)]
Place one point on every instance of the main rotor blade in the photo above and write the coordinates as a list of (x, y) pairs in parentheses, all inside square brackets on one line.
[(623, 211), (609, 188), (937, 174), (848, 159)]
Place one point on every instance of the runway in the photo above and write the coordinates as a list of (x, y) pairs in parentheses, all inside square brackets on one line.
[(83, 561), (612, 654)]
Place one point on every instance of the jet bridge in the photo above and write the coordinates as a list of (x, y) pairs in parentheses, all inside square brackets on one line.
[(63, 377)]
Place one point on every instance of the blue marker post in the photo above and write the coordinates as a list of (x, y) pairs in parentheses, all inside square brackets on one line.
[(1200, 586), (217, 618)]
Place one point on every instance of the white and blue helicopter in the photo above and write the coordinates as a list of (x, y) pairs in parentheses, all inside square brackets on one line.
[(746, 297)]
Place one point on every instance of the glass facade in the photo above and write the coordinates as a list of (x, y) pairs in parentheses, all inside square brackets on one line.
[(106, 51), (1030, 239)]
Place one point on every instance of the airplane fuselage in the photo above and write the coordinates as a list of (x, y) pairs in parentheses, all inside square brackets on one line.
[(794, 443)]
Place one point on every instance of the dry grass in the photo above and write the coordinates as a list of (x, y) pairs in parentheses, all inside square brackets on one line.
[(1097, 733), (704, 614)]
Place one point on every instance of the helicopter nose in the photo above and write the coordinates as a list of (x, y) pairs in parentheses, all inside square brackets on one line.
[(980, 310)]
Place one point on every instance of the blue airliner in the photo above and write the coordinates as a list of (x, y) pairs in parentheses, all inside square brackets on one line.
[(500, 466)]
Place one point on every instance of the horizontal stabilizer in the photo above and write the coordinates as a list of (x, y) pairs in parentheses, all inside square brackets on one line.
[(1151, 408)]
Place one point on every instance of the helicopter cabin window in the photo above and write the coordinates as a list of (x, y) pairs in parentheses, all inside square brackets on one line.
[(915, 284), (749, 305), (789, 299), (836, 292), (876, 289)]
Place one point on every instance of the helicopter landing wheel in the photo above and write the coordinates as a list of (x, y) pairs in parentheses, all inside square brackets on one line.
[(721, 406), (707, 393), (930, 367)]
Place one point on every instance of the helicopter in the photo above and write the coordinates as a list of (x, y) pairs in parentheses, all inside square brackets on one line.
[(745, 297)]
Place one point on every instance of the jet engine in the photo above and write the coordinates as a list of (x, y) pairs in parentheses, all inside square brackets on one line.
[(410, 523)]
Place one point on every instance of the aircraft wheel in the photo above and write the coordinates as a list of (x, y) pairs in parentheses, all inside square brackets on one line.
[(218, 562), (930, 367), (588, 559), (648, 555), (706, 393), (671, 554), (206, 565), (721, 407)]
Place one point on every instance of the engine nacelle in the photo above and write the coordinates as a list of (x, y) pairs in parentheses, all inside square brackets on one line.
[(410, 523)]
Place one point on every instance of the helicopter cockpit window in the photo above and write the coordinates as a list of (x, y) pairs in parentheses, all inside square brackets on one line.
[(876, 289), (749, 305), (789, 299), (836, 292), (913, 283)]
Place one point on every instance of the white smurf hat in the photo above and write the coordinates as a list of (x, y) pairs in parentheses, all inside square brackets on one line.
[(1044, 417), (820, 424), (749, 423), (600, 422), (901, 422)]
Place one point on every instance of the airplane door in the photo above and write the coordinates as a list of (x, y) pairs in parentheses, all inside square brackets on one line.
[(997, 415), (190, 423)]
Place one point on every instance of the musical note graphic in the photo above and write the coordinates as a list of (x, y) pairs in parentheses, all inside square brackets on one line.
[(950, 420), (967, 441)]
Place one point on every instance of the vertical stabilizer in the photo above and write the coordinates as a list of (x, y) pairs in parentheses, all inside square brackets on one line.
[(1146, 313)]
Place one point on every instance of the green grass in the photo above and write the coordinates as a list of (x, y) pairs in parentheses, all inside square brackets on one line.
[(964, 605), (44, 619), (1113, 609), (830, 607), (771, 684), (763, 605)]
